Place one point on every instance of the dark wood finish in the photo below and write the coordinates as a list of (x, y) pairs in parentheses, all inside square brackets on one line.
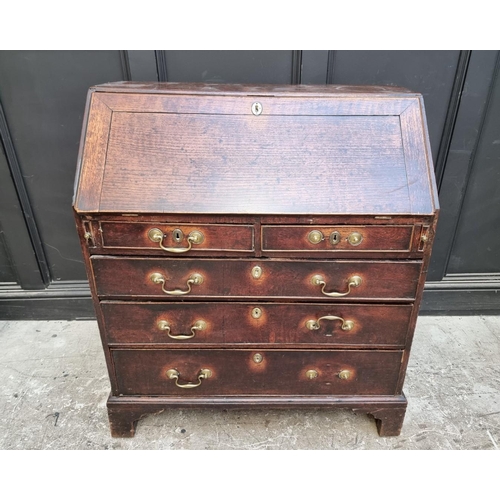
[(125, 411), (129, 235), (203, 136), (284, 324), (381, 280), (194, 157), (374, 239), (143, 372), (207, 88), (389, 420)]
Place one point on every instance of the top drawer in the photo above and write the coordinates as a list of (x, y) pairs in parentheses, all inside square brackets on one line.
[(357, 239), (177, 239)]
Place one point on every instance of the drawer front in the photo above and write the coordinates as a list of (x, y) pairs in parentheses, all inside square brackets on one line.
[(331, 239), (179, 324), (242, 372), (170, 279), (177, 239)]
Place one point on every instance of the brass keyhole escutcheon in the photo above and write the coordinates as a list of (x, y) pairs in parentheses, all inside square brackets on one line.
[(335, 238), (256, 108), (355, 239), (256, 272), (258, 358), (256, 312), (177, 235), (315, 237), (344, 374), (311, 374)]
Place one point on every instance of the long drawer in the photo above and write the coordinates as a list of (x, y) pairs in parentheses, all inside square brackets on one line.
[(224, 372), (169, 279), (276, 324)]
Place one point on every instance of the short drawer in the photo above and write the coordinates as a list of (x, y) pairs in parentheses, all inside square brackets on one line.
[(244, 372), (169, 279), (275, 324), (336, 239), (177, 239)]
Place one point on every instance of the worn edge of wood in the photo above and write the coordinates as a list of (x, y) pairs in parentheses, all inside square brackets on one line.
[(287, 401), (90, 179), (417, 159), (203, 88)]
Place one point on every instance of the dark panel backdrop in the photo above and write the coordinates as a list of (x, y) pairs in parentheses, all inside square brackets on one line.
[(42, 100)]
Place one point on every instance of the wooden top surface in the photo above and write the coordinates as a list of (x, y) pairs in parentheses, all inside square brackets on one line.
[(199, 149), (201, 88)]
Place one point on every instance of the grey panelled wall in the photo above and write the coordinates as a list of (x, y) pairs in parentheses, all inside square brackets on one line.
[(43, 96), (243, 66), (476, 247), (42, 99), (7, 273)]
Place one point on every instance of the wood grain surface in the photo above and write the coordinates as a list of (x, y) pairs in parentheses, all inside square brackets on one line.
[(231, 279), (133, 235), (199, 149), (235, 372), (279, 324), (254, 164), (373, 238)]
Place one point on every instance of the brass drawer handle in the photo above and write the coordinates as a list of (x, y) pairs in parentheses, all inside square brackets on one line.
[(156, 235), (354, 281), (173, 374), (313, 324), (194, 279), (165, 326)]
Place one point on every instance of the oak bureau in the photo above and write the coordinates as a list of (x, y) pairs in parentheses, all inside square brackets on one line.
[(255, 246)]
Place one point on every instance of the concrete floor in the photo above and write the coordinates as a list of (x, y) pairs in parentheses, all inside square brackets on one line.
[(55, 386)]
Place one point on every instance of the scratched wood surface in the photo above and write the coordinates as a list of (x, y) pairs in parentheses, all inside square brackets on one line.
[(254, 164), (228, 278), (279, 324), (236, 372), (199, 150)]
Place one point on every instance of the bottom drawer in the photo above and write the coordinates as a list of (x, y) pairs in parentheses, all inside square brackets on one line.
[(252, 372)]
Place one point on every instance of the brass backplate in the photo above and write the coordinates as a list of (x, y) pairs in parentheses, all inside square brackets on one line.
[(315, 237), (196, 237), (155, 235), (355, 239)]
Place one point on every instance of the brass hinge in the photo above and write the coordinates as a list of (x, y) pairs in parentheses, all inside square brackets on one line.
[(87, 234), (424, 238)]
